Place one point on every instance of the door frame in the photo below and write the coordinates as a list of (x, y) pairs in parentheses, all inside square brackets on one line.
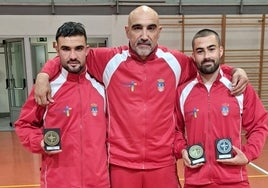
[(27, 76)]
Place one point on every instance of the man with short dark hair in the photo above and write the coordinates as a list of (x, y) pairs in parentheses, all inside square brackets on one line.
[(211, 122), (70, 134)]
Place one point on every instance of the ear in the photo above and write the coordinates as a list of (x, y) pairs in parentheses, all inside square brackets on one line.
[(159, 31), (56, 48), (87, 50), (160, 28), (221, 51), (127, 30), (193, 56)]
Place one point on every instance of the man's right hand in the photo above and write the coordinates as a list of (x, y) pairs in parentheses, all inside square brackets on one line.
[(49, 152), (42, 90), (187, 161)]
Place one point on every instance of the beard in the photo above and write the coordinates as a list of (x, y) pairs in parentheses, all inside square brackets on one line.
[(208, 69), (143, 51), (143, 48), (76, 68)]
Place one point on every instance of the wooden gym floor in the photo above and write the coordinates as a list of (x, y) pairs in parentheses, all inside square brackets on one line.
[(20, 168)]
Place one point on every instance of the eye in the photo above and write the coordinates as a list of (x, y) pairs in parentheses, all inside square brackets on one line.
[(136, 27), (65, 48), (79, 48), (199, 51), (212, 49), (151, 27)]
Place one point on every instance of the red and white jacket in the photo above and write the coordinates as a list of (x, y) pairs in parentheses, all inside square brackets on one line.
[(204, 116), (141, 101), (79, 112)]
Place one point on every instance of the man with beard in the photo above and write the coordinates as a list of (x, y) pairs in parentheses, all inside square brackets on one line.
[(140, 81), (210, 122), (70, 134)]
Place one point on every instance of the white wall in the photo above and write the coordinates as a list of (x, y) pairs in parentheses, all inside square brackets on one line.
[(99, 26), (111, 26)]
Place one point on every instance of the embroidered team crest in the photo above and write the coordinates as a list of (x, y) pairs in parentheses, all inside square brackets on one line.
[(161, 85), (67, 110), (195, 112), (131, 85), (94, 109), (225, 109)]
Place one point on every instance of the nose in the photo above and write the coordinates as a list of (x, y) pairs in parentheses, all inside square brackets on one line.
[(144, 34), (73, 54), (206, 54)]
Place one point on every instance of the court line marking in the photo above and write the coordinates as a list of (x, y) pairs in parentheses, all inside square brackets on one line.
[(250, 176), (258, 176), (258, 168), (16, 186)]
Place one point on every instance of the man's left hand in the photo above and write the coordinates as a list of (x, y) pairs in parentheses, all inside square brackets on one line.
[(239, 81)]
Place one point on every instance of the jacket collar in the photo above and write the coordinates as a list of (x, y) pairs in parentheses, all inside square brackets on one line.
[(220, 75), (72, 76)]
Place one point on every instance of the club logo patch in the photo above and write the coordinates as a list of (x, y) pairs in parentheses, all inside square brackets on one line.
[(131, 85), (67, 110), (94, 109), (225, 109), (195, 112), (161, 85)]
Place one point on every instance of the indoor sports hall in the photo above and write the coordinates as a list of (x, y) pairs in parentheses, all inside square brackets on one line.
[(27, 41)]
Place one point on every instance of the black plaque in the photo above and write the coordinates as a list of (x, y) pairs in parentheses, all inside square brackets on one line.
[(52, 139), (196, 154), (224, 148)]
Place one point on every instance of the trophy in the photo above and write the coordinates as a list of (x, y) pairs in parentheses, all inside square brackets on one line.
[(224, 148), (196, 154), (52, 139)]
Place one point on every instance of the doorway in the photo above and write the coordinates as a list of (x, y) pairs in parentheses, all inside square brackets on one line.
[(39, 57), (15, 75)]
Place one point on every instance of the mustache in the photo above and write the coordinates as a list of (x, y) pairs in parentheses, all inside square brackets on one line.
[(208, 60), (147, 42), (74, 61)]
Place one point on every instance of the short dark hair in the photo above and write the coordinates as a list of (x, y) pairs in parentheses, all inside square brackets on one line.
[(71, 29), (205, 33)]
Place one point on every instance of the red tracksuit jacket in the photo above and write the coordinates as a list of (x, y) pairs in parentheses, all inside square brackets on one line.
[(204, 116), (79, 112)]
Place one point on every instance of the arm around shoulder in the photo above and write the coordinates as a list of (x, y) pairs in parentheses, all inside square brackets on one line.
[(239, 79), (42, 90)]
